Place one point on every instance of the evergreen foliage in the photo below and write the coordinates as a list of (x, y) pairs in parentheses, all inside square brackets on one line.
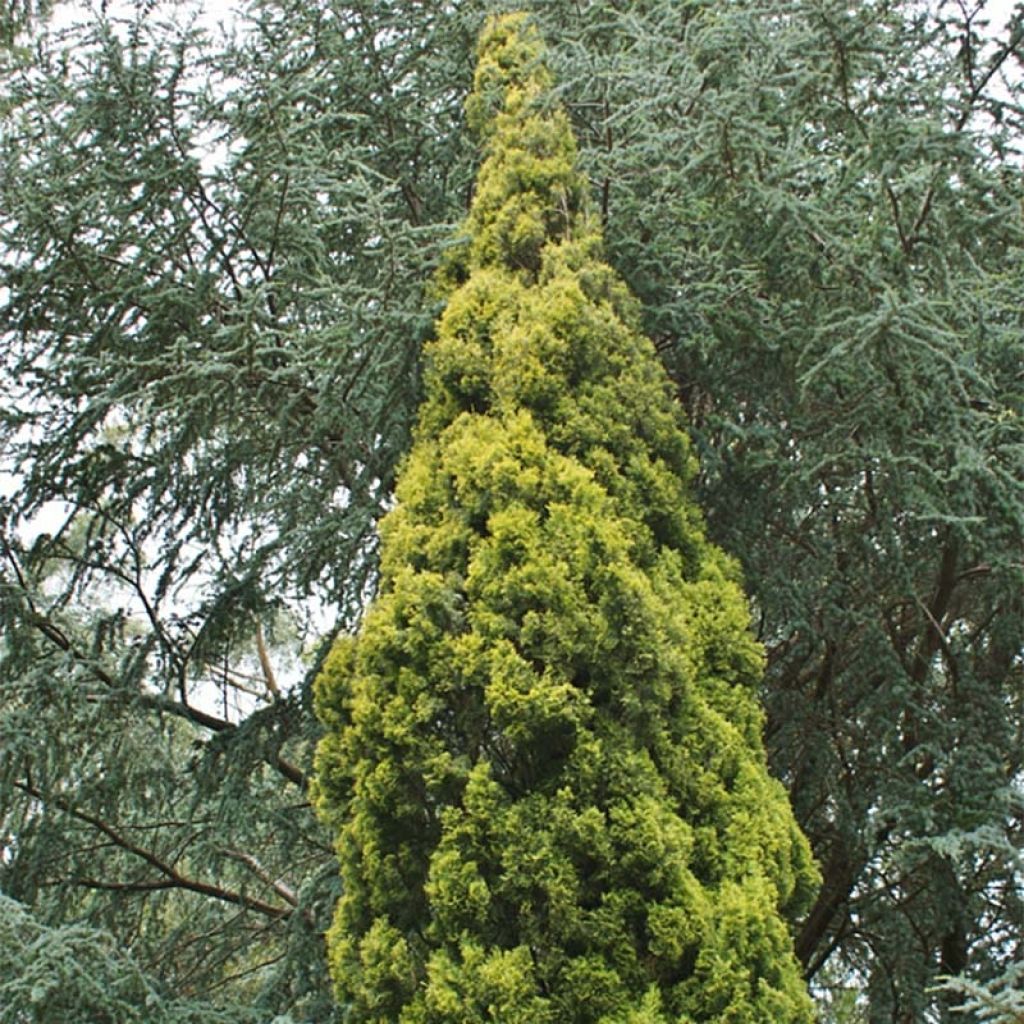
[(213, 252), (826, 241), (212, 264), (78, 975), (543, 753), (998, 1002)]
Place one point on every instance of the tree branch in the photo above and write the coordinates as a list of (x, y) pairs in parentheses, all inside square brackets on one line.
[(285, 891), (172, 878), (162, 704), (975, 91), (265, 664)]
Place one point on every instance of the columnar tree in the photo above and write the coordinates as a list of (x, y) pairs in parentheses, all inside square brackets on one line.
[(543, 757)]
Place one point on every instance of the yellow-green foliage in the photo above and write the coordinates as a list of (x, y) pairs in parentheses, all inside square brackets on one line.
[(543, 753)]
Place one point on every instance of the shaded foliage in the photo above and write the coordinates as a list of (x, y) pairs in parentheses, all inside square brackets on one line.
[(73, 974)]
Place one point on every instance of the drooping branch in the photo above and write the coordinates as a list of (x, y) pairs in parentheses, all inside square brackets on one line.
[(170, 876), (285, 891), (164, 705), (152, 701)]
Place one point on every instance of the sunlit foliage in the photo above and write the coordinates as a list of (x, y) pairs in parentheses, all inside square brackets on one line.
[(543, 749)]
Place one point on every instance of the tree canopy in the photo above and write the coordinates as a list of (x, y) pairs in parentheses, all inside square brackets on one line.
[(214, 254)]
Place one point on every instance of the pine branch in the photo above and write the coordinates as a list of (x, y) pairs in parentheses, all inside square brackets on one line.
[(171, 877), (152, 701)]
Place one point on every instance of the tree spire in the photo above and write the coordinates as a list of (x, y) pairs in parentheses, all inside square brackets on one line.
[(528, 190), (543, 754)]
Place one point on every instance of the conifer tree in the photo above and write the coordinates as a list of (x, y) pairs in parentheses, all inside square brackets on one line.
[(543, 757)]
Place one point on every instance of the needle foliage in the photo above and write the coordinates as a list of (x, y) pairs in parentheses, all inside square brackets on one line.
[(215, 256)]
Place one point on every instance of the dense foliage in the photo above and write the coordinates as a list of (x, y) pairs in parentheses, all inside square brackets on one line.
[(828, 247), (212, 292), (543, 748), (213, 255)]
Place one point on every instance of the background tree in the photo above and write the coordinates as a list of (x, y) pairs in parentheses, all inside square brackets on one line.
[(819, 209), (543, 752), (73, 974)]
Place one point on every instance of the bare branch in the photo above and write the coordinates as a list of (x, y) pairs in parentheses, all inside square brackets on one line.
[(265, 664), (285, 891)]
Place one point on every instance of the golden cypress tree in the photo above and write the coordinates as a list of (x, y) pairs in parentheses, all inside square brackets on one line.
[(543, 756)]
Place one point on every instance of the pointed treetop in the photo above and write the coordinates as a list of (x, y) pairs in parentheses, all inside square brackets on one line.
[(528, 189), (510, 72)]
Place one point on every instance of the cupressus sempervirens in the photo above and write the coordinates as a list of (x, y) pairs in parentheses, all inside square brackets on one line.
[(543, 757)]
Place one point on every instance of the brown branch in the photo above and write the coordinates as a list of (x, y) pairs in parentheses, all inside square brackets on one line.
[(172, 878), (932, 638), (156, 885), (265, 664), (183, 710), (811, 969), (285, 891), (156, 702), (935, 613), (967, 49), (906, 242), (977, 88), (838, 877)]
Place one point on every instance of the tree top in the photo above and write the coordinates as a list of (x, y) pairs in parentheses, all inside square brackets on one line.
[(529, 191)]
